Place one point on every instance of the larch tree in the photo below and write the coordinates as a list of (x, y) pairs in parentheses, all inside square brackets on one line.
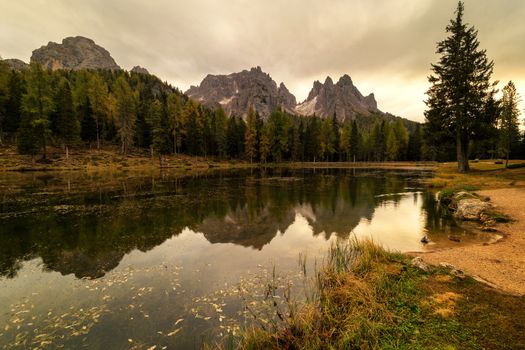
[(97, 91), (125, 113), (250, 138), (460, 86), (174, 111)]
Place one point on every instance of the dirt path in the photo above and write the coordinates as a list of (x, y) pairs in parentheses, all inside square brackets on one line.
[(501, 264)]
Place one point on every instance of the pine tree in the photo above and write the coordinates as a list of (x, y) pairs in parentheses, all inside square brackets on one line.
[(414, 145), (312, 138), (250, 143), (460, 86), (13, 105), (509, 122), (354, 141), (328, 139), (160, 139), (88, 125), (37, 105), (345, 140), (391, 145), (65, 124), (401, 135), (220, 126), (265, 147), (279, 129), (4, 96)]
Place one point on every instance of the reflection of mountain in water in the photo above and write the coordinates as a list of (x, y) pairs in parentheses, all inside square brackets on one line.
[(242, 228), (88, 233)]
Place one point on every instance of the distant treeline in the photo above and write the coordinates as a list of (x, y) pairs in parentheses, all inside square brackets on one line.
[(92, 108)]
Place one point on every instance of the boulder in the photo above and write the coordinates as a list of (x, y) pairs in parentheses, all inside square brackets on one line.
[(469, 207), (453, 270), (420, 264)]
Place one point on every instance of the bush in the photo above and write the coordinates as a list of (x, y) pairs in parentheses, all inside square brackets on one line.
[(516, 166)]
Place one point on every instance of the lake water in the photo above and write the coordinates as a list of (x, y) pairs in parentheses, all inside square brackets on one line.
[(122, 261)]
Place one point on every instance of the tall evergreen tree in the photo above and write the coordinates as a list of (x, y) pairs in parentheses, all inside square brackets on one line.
[(401, 135), (250, 143), (88, 125), (160, 138), (220, 126), (14, 102), (37, 105), (354, 141), (4, 96), (509, 122), (266, 143), (414, 145), (460, 86), (65, 123)]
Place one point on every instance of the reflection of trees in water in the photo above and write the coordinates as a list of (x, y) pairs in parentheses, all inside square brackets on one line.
[(88, 232)]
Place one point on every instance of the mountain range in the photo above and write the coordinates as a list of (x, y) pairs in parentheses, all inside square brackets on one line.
[(235, 93)]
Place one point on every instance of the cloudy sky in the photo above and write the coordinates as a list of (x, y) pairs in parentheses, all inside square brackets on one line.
[(386, 46)]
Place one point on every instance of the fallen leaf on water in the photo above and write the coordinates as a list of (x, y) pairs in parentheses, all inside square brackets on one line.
[(174, 332)]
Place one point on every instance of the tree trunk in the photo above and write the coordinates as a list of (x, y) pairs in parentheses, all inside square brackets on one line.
[(508, 152), (67, 153), (461, 149), (44, 155), (98, 135)]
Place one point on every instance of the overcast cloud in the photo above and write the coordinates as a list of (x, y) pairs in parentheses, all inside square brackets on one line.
[(386, 46)]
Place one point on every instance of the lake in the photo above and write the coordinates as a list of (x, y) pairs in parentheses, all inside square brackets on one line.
[(168, 261)]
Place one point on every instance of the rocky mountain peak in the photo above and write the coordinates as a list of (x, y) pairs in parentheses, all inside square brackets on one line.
[(237, 92), (346, 80), (74, 53), (15, 64), (342, 99), (139, 69)]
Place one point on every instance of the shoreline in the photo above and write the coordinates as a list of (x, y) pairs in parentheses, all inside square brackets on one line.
[(499, 263)]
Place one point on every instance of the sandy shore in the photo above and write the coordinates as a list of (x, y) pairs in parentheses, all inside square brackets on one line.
[(501, 264)]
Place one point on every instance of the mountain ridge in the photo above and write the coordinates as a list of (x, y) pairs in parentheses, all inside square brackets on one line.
[(237, 92)]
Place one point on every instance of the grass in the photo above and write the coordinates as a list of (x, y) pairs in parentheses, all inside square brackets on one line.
[(483, 175), (108, 158), (368, 298)]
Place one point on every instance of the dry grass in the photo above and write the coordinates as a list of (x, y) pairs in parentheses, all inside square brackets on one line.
[(483, 174), (107, 158), (367, 298)]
